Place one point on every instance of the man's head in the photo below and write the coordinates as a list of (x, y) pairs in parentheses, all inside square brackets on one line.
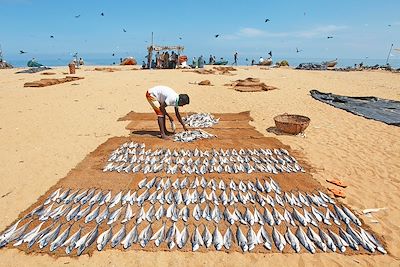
[(183, 100)]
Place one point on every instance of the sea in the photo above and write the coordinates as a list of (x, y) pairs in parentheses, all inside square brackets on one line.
[(109, 61)]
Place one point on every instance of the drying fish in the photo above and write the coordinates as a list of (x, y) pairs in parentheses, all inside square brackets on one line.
[(251, 239), (71, 242), (182, 237), (170, 236), (49, 237), (241, 240), (316, 239), (304, 240), (131, 237), (190, 136), (292, 240), (263, 238), (104, 238), (218, 240), (114, 216), (145, 235), (207, 237), (159, 235), (228, 238), (116, 239), (279, 240), (60, 239)]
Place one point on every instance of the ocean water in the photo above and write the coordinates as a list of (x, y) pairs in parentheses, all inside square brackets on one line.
[(95, 60)]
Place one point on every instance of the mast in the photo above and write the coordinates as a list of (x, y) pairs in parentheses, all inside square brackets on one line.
[(390, 51)]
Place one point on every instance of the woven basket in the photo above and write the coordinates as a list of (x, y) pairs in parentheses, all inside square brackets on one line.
[(292, 124)]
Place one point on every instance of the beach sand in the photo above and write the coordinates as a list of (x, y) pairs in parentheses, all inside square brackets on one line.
[(45, 132)]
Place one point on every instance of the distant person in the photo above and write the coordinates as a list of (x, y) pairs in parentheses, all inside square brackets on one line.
[(174, 59), (235, 58), (166, 60), (210, 61), (253, 62), (261, 60), (194, 63), (143, 64), (201, 62), (81, 62), (159, 97)]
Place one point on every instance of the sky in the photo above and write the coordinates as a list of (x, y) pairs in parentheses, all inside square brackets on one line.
[(360, 29)]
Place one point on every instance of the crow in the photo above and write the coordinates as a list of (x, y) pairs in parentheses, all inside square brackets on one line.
[(102, 14), (22, 52), (267, 20), (216, 36), (124, 30), (330, 37), (77, 16), (270, 53), (51, 36), (298, 51)]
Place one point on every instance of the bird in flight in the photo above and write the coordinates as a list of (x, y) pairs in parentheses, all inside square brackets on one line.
[(113, 55), (270, 53), (266, 20), (389, 25), (180, 38), (298, 51), (124, 30), (216, 36), (102, 14), (22, 52), (51, 36), (77, 16), (330, 37)]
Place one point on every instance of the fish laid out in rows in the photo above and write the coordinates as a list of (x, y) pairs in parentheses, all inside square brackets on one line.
[(200, 120), (193, 135), (133, 157), (247, 238)]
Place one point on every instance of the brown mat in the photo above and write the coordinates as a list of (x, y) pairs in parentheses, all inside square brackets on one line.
[(250, 85), (48, 82), (89, 174)]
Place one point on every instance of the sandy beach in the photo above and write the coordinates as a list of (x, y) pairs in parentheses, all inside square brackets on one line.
[(45, 132)]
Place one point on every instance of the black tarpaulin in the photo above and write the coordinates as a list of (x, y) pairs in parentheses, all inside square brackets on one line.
[(370, 107)]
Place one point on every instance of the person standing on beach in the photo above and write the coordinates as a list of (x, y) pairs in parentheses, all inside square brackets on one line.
[(235, 57), (159, 98)]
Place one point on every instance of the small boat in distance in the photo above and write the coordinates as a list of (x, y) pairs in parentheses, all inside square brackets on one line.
[(330, 64)]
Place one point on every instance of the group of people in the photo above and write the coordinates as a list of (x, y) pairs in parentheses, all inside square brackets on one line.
[(165, 60)]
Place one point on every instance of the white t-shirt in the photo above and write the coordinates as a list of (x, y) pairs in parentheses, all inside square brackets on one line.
[(165, 94)]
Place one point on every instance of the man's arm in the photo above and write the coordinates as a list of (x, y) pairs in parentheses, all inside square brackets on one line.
[(164, 111), (178, 115)]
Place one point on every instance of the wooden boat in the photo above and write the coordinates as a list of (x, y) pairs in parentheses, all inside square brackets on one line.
[(220, 63), (266, 62), (331, 64), (128, 61)]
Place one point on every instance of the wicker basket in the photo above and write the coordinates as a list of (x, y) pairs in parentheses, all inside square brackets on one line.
[(292, 124)]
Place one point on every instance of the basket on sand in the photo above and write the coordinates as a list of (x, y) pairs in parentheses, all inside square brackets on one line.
[(291, 123)]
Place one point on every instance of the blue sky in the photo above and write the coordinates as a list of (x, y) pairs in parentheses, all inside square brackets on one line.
[(359, 28)]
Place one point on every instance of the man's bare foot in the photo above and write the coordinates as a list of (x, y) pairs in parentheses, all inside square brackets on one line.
[(165, 137)]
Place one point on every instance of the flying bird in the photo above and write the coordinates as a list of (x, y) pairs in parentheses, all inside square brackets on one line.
[(270, 53), (77, 16), (124, 30), (113, 55), (304, 13), (216, 36), (267, 20), (298, 51), (102, 14), (180, 38), (389, 25), (22, 52), (330, 37), (51, 36)]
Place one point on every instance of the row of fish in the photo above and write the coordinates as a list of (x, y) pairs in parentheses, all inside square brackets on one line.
[(200, 120), (126, 159), (192, 135), (52, 236)]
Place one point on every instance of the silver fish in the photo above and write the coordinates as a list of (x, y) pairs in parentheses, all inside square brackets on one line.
[(131, 237), (241, 240), (128, 214), (339, 242), (251, 239), (228, 238), (170, 236), (316, 239), (49, 237), (279, 240), (340, 213), (92, 215), (104, 238), (115, 200), (374, 241), (207, 237), (292, 240), (71, 242), (116, 239), (114, 216), (142, 183), (60, 239), (83, 212), (304, 240), (145, 235), (327, 240), (218, 241), (348, 239), (263, 238), (103, 215), (159, 235), (39, 235), (26, 238), (105, 199), (90, 238), (196, 239), (183, 237), (351, 215), (150, 214)]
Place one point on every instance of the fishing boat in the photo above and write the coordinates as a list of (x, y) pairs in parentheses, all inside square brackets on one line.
[(266, 62), (220, 62), (128, 61), (330, 64)]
